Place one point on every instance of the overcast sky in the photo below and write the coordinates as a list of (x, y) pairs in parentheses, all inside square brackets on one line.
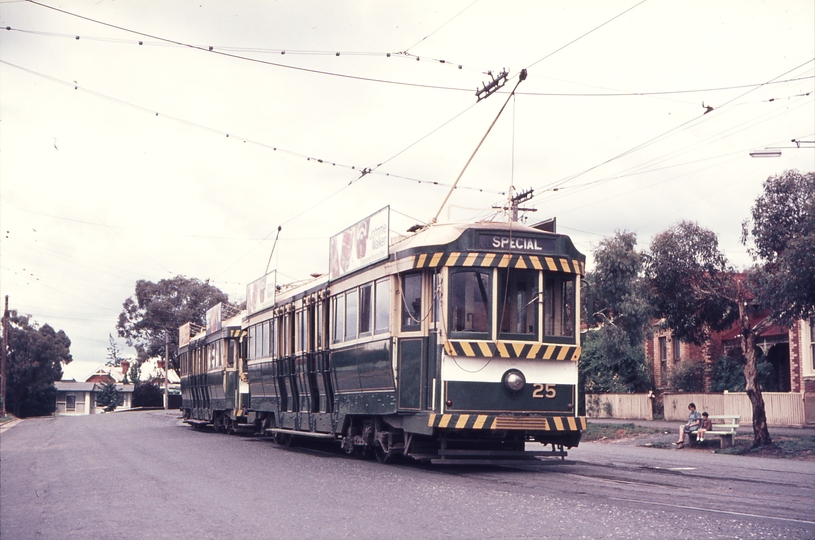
[(130, 150)]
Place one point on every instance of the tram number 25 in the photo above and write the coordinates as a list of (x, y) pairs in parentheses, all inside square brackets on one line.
[(542, 391)]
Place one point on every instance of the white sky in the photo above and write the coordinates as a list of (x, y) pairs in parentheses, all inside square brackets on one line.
[(131, 175)]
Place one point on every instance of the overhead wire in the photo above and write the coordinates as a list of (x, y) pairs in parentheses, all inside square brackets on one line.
[(212, 50), (652, 140), (307, 157)]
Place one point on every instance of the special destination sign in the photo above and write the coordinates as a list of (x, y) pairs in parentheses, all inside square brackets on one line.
[(525, 244)]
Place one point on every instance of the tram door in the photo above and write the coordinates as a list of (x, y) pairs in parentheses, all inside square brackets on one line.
[(415, 370)]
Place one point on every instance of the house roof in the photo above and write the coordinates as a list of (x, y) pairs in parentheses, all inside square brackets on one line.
[(74, 386)]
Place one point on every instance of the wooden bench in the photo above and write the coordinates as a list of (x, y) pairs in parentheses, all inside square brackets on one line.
[(724, 427)]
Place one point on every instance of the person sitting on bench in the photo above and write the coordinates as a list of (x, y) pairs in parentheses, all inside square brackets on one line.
[(694, 421)]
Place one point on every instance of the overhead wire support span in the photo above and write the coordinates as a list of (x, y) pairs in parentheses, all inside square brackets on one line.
[(496, 84)]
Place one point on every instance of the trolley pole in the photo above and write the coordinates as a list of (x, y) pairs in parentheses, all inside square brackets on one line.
[(166, 370), (4, 361)]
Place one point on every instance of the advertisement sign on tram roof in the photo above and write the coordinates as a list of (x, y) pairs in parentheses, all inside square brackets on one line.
[(260, 294), (359, 245)]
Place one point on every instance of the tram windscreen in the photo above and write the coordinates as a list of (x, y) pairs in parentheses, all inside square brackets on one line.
[(470, 301), (558, 306), (518, 293)]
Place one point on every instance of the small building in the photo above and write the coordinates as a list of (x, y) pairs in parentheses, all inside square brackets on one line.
[(78, 398)]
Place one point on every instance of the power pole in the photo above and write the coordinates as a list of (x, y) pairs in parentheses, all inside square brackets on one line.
[(514, 204), (3, 365)]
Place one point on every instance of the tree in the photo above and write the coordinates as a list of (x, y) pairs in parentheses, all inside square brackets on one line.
[(114, 354), (157, 310), (782, 231), (109, 397), (696, 292), (134, 373), (613, 358), (35, 357)]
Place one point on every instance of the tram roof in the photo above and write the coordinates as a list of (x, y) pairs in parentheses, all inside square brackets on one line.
[(446, 233)]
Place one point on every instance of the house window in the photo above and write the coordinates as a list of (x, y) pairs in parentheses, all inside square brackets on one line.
[(663, 357), (676, 350), (70, 402), (812, 343)]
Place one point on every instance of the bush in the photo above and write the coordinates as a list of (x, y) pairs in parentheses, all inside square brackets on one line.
[(148, 395), (688, 375)]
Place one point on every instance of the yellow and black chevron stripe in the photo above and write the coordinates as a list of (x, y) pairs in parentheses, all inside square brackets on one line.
[(501, 260), (489, 421), (512, 349)]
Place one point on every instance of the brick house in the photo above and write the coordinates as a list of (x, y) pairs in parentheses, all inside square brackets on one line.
[(79, 398), (790, 351)]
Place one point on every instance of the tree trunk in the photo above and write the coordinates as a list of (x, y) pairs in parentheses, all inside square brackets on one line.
[(761, 435)]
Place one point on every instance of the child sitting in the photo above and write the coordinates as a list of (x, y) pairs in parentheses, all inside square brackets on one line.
[(707, 425)]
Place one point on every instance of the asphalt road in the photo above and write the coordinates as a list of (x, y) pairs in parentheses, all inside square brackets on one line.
[(146, 475)]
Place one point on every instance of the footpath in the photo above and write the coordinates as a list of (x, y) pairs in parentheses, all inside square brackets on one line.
[(656, 452), (673, 427)]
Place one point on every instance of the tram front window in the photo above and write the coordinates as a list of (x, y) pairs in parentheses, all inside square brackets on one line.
[(558, 306), (518, 291), (470, 302)]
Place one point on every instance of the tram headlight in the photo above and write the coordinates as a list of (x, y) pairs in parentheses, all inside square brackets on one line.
[(514, 381)]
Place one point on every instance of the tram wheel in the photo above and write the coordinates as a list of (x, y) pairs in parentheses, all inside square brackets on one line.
[(283, 439)]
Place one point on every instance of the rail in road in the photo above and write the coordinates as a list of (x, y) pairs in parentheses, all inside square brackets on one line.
[(93, 477)]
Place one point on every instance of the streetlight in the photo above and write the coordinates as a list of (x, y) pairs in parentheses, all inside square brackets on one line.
[(766, 153)]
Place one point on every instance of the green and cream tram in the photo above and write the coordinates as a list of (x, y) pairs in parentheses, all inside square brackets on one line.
[(458, 344)]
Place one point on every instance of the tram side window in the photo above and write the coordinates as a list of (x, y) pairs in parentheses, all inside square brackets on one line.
[(558, 306), (470, 308), (231, 353), (382, 309), (351, 313), (319, 328), (273, 338), (518, 293), (264, 339), (365, 301), (338, 318), (302, 330), (412, 302)]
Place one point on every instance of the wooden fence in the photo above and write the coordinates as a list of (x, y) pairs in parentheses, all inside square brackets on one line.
[(782, 408), (629, 406)]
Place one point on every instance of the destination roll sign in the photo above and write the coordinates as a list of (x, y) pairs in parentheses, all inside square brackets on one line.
[(518, 243)]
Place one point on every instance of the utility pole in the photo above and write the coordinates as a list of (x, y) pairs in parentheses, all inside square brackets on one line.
[(514, 204), (4, 361), (166, 369)]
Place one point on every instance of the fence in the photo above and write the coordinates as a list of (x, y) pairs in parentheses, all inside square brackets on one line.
[(629, 406), (782, 408)]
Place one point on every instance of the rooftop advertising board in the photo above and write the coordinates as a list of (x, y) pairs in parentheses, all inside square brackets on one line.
[(260, 294), (184, 335), (214, 318), (364, 243)]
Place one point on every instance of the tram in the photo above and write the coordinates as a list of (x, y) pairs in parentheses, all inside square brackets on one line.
[(458, 344)]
